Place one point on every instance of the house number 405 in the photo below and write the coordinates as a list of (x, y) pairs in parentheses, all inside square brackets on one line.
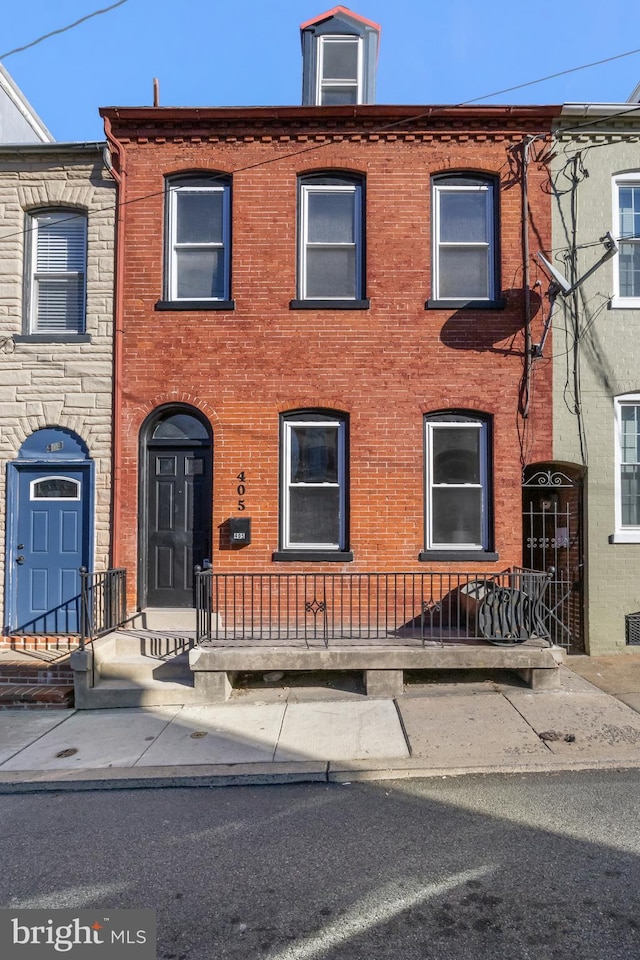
[(241, 489)]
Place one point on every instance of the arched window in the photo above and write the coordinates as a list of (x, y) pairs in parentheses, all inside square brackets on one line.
[(457, 482), (57, 267), (465, 249), (331, 239), (198, 254)]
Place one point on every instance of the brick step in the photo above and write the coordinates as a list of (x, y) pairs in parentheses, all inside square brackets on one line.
[(25, 672), (41, 695)]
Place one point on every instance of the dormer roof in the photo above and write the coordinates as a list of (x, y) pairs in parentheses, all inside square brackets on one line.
[(340, 11)]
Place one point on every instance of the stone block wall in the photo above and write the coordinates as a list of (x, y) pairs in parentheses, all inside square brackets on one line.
[(66, 384)]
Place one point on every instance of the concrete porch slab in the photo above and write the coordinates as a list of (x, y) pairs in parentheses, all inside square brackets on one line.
[(343, 730)]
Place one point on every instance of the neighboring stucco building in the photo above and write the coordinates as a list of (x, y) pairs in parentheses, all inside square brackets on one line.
[(57, 204), (596, 355), (324, 326)]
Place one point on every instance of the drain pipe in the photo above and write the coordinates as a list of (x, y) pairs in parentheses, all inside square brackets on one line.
[(526, 277), (115, 151)]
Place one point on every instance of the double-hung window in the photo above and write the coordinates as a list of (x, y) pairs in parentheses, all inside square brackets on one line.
[(339, 76), (626, 216), (199, 240), (457, 482), (627, 453), (57, 272), (465, 255), (313, 482), (331, 241)]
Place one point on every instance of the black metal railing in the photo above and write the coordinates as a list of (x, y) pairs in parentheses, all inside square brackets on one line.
[(103, 605), (320, 608)]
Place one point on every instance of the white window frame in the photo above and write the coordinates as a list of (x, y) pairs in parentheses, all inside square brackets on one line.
[(33, 484), (175, 188), (287, 484), (623, 533), (62, 214), (621, 180), (487, 187), (322, 83), (306, 189), (462, 421)]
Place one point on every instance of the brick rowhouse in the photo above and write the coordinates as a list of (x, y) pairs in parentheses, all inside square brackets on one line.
[(385, 367)]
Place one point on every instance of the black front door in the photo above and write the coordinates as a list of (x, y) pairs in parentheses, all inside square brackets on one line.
[(179, 519)]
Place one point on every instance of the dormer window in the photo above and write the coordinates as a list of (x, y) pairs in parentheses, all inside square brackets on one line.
[(339, 57), (339, 70)]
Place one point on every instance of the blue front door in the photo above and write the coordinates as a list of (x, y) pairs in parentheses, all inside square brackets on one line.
[(52, 543)]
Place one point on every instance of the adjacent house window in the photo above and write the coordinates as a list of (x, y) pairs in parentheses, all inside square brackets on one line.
[(339, 70), (331, 241), (57, 243), (627, 452), (627, 220), (313, 482), (199, 239), (457, 482), (464, 240)]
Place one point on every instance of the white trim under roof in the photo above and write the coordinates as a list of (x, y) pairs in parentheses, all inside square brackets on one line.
[(23, 107), (598, 109)]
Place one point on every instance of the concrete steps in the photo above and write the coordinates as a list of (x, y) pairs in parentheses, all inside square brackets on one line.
[(137, 667)]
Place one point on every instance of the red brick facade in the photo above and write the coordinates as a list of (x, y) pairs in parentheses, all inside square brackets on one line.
[(385, 367)]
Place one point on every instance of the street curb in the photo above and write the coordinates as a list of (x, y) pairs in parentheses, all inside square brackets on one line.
[(263, 774)]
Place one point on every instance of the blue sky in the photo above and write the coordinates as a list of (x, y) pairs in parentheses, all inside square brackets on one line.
[(247, 52)]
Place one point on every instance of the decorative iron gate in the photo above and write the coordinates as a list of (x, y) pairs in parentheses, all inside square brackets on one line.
[(552, 541)]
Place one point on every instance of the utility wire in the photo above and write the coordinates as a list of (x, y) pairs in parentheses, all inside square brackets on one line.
[(551, 76), (431, 113), (27, 46)]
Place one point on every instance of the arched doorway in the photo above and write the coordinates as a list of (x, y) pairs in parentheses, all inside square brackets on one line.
[(176, 494), (49, 532), (552, 537)]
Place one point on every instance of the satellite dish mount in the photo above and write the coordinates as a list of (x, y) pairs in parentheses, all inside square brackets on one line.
[(559, 285)]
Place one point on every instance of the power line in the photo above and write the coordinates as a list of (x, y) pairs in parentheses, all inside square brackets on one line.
[(551, 76), (431, 113), (96, 13)]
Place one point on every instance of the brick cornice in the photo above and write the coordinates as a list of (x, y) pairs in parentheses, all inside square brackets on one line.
[(368, 122)]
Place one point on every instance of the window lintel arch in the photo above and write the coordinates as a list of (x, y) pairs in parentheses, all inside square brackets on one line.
[(176, 423)]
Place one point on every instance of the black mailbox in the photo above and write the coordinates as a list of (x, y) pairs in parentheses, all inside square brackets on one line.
[(239, 531)]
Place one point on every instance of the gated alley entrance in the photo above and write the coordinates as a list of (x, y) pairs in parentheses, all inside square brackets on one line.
[(552, 540)]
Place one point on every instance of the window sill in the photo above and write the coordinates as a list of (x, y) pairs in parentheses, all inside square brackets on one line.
[(52, 338), (624, 303), (329, 304), (465, 304), (314, 556), (631, 536), (459, 556), (195, 305)]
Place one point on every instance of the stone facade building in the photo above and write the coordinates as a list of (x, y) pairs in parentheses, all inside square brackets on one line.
[(57, 214)]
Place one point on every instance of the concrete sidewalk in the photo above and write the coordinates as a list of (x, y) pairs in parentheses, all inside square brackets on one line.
[(279, 734)]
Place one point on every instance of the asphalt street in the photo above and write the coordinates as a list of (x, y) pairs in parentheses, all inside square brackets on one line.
[(527, 866)]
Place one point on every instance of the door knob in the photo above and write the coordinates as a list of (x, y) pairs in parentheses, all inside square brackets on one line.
[(20, 559)]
